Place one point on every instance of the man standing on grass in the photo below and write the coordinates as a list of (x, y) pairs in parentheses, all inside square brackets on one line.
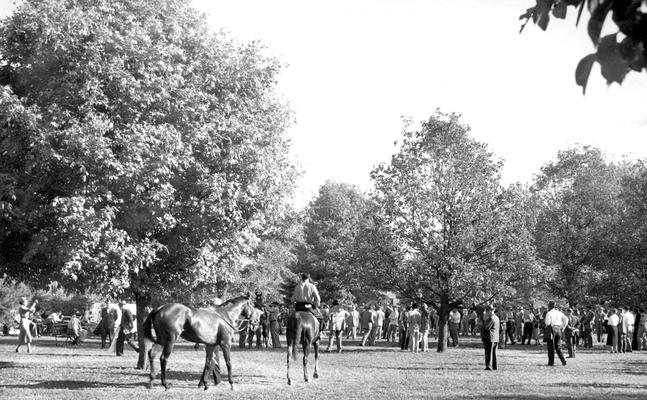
[(490, 337), (353, 322), (555, 322)]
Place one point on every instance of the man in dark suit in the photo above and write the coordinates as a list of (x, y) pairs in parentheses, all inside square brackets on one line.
[(126, 329), (490, 337)]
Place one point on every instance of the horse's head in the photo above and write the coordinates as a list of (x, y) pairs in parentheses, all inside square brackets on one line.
[(248, 308)]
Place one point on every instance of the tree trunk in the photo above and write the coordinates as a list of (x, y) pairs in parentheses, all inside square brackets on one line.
[(142, 300), (443, 331)]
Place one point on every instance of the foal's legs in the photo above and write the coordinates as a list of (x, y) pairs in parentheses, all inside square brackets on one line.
[(225, 352), (166, 353)]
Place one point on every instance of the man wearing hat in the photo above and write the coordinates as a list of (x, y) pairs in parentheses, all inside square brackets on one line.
[(555, 323), (274, 312), (490, 337), (126, 329)]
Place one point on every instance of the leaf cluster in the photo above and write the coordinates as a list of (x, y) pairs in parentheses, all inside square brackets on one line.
[(617, 53)]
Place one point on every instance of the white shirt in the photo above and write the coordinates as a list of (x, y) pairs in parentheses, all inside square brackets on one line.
[(556, 318), (613, 320), (631, 320)]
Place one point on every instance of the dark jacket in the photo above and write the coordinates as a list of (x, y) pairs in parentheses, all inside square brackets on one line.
[(490, 332)]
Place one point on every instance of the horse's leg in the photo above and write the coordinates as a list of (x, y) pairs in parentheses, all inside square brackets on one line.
[(166, 353), (225, 352), (152, 353), (315, 345), (207, 365), (288, 358), (306, 353), (215, 367)]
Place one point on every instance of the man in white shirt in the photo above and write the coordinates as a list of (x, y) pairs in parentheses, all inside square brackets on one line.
[(353, 322), (555, 322), (306, 298), (630, 320)]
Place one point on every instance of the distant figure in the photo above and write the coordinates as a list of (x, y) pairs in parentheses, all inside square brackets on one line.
[(454, 325), (126, 329), (25, 323), (274, 314), (353, 322), (490, 337), (413, 327), (555, 322), (337, 323), (74, 328), (106, 326)]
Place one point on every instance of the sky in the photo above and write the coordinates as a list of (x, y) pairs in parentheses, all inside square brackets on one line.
[(353, 69)]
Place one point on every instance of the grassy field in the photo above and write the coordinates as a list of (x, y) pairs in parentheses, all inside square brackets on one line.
[(380, 372)]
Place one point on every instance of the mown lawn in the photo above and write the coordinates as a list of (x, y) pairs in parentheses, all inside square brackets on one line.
[(383, 372)]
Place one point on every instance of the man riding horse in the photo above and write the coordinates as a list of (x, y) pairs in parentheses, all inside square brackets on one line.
[(306, 298)]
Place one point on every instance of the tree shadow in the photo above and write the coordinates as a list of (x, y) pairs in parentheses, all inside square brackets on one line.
[(73, 385)]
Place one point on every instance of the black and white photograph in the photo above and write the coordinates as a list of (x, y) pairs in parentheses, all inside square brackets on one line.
[(292, 199)]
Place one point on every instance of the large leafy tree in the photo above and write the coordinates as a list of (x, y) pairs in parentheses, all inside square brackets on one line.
[(332, 222), (140, 151), (578, 203), (618, 53), (446, 232), (624, 261)]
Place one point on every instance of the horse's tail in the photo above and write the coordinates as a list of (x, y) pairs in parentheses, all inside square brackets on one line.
[(297, 329), (147, 328)]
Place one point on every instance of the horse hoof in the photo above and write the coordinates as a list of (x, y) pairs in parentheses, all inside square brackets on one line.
[(167, 386), (289, 381), (232, 388), (315, 375)]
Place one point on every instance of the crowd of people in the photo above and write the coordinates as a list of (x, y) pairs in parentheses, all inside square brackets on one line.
[(35, 320), (622, 329)]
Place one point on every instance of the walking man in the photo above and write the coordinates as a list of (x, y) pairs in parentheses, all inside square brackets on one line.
[(126, 329), (555, 322), (490, 337)]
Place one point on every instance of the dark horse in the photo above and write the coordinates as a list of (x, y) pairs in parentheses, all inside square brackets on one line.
[(303, 327), (214, 327)]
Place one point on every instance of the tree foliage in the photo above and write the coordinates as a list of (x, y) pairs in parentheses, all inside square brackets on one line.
[(624, 266), (617, 53), (140, 151), (449, 233), (332, 223), (577, 195)]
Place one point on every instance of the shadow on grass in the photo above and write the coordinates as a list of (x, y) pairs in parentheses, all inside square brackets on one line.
[(73, 385), (554, 397)]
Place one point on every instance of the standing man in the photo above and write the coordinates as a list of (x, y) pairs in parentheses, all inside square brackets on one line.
[(454, 325), (555, 322), (528, 318), (380, 322), (337, 321), (588, 321), (274, 312), (393, 325), (630, 321), (366, 323), (126, 329), (353, 322), (490, 337)]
